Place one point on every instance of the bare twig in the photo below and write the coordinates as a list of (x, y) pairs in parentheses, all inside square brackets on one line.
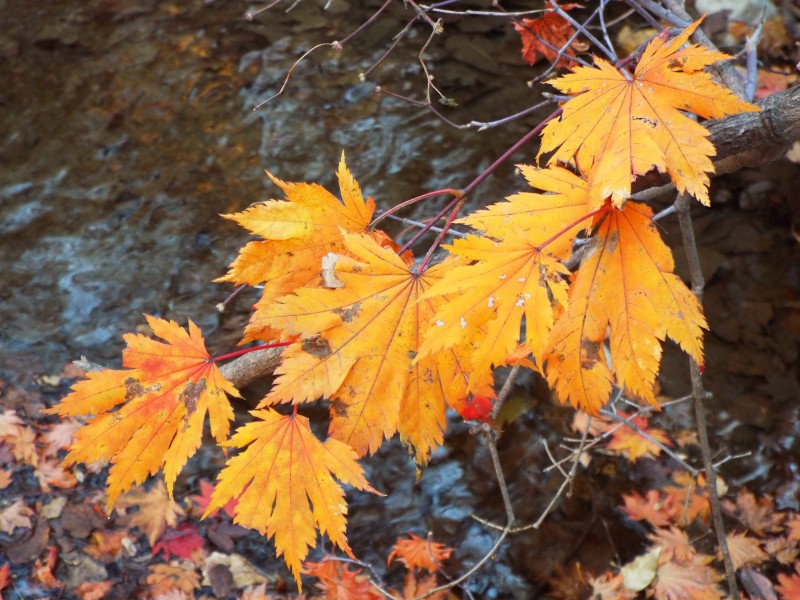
[(699, 394), (504, 392), (665, 449)]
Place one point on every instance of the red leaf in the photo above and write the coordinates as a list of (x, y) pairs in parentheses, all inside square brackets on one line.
[(547, 35), (181, 542)]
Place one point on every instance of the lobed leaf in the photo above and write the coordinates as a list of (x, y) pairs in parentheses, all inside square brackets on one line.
[(164, 394), (617, 127), (284, 482), (625, 283), (359, 345)]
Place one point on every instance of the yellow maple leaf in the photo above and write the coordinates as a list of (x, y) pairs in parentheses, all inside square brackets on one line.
[(510, 275), (165, 393), (287, 476), (296, 234), (359, 344), (618, 126), (541, 216), (511, 279), (626, 282)]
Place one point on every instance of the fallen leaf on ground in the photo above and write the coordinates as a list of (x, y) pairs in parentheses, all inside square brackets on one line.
[(340, 583), (420, 553), (651, 507), (182, 542), (744, 550), (758, 515), (15, 515), (694, 580), (674, 543), (156, 510), (166, 577), (789, 585), (632, 444), (691, 498)]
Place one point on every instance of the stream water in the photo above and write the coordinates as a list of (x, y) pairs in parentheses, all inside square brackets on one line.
[(127, 128)]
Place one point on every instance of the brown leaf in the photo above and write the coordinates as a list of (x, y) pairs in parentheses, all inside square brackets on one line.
[(783, 549), (674, 543), (744, 550), (695, 580), (758, 516), (156, 510), (31, 546), (15, 515)]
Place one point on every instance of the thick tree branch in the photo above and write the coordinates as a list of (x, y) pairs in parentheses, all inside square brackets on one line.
[(754, 139)]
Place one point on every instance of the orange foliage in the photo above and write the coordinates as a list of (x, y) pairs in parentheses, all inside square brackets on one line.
[(292, 492), (617, 127), (420, 553), (546, 35), (633, 444), (165, 393), (340, 583), (392, 344), (627, 284)]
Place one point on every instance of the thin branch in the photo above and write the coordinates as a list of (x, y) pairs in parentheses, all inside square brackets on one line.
[(699, 394), (609, 52), (505, 391), (638, 430)]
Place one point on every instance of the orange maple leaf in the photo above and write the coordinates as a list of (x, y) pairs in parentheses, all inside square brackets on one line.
[(338, 582), (165, 395), (632, 444), (548, 34), (692, 498), (651, 507), (618, 126), (291, 491), (360, 342), (513, 277), (789, 585), (420, 553), (296, 234), (626, 282)]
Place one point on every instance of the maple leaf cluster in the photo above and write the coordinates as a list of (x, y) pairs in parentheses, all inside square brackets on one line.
[(391, 345)]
